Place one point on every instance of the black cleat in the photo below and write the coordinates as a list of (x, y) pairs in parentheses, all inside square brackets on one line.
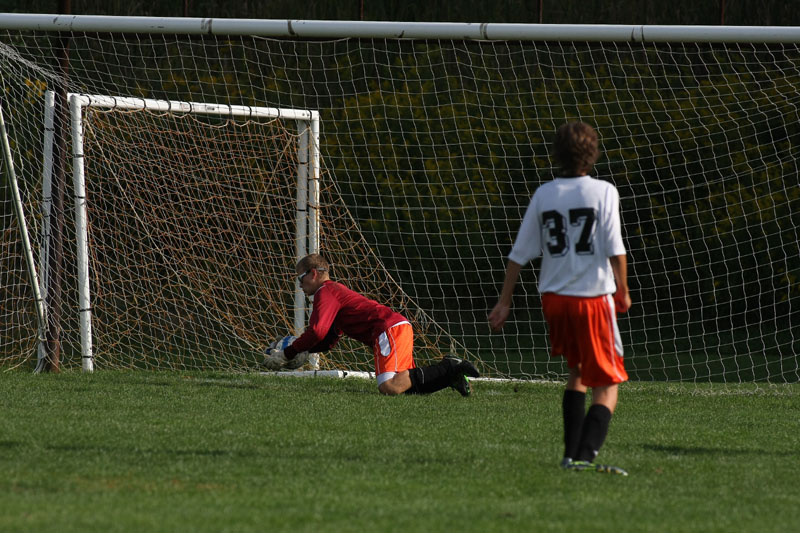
[(461, 366), (461, 384)]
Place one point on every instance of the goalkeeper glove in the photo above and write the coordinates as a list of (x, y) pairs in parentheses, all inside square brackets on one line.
[(275, 359), (297, 361)]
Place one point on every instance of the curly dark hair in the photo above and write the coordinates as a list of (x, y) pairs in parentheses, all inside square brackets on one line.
[(576, 148)]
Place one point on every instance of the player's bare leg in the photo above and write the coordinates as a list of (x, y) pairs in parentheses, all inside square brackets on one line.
[(574, 380), (398, 384), (448, 372), (606, 396)]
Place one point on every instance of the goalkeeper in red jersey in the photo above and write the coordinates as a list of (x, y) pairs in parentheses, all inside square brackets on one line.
[(573, 222), (339, 311)]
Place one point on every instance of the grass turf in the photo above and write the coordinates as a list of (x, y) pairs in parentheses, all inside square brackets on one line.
[(134, 451)]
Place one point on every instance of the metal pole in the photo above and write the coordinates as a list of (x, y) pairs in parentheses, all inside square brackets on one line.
[(301, 220), (47, 212), (81, 235), (52, 361), (23, 229), (334, 29), (313, 186)]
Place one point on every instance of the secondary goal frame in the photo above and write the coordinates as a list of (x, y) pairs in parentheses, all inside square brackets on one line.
[(307, 200)]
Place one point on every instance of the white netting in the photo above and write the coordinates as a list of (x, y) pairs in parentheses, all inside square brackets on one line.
[(192, 229), (432, 149)]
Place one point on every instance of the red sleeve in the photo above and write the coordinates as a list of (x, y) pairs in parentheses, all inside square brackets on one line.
[(330, 340), (326, 306)]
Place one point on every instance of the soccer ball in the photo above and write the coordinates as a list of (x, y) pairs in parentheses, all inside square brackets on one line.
[(282, 344)]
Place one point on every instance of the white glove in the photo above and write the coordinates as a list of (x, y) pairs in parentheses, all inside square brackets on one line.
[(275, 359), (297, 361)]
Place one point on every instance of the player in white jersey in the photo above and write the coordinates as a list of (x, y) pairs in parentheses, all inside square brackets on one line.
[(573, 222)]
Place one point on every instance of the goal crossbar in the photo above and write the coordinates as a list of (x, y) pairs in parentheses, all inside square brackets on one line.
[(336, 29), (174, 106)]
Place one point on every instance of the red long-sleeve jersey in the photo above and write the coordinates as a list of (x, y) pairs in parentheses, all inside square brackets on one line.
[(339, 310)]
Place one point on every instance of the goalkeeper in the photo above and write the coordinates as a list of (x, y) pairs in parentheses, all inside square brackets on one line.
[(339, 310), (574, 223)]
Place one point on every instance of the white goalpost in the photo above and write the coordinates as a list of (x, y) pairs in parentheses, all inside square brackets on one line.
[(22, 225), (307, 171), (307, 232), (188, 217)]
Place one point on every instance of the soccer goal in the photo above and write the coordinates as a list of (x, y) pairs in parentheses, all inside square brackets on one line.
[(188, 220), (195, 208), (435, 136)]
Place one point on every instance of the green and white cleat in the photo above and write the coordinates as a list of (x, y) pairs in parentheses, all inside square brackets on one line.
[(579, 466), (461, 384), (586, 466), (608, 469)]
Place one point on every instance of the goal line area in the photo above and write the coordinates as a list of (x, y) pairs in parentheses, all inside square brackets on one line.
[(166, 220), (711, 389)]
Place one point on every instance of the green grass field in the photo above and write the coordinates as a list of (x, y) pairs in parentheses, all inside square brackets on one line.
[(147, 451)]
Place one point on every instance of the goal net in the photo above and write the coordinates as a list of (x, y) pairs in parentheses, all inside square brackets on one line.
[(195, 215), (430, 150)]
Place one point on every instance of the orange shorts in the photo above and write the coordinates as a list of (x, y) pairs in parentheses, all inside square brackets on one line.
[(394, 351), (584, 330)]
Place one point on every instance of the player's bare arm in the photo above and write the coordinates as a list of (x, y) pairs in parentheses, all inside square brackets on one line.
[(622, 298), (499, 315)]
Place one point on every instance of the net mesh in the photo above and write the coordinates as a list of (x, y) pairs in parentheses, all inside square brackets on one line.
[(431, 151), (192, 227)]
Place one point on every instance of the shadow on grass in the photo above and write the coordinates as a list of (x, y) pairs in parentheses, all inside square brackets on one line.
[(261, 382), (149, 451), (705, 450)]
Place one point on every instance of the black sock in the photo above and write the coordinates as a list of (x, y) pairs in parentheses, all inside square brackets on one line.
[(429, 379), (573, 407), (593, 434)]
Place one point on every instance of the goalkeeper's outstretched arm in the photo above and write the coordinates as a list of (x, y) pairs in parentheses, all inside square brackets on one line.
[(327, 342)]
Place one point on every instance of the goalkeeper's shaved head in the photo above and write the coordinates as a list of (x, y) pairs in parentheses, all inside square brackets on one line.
[(576, 148)]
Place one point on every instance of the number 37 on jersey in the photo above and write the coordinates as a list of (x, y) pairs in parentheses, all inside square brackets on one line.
[(556, 224)]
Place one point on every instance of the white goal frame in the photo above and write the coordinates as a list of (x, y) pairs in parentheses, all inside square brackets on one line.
[(307, 199), (436, 136), (340, 29)]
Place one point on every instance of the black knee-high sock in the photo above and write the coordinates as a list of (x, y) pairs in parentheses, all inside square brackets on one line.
[(429, 379), (593, 434), (573, 407)]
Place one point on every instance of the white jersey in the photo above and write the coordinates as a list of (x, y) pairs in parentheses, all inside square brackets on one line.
[(573, 223)]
